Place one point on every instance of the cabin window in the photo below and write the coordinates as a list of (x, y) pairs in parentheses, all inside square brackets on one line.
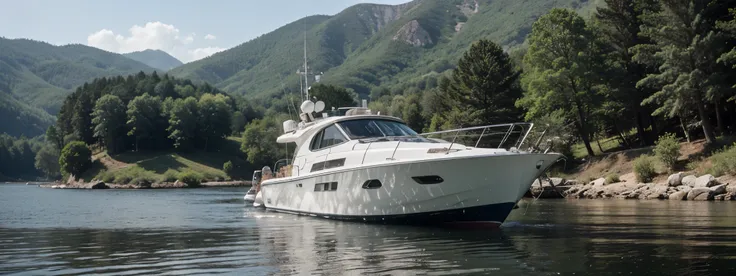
[(375, 128), (328, 137), (428, 179), (328, 164), (372, 184), (328, 186)]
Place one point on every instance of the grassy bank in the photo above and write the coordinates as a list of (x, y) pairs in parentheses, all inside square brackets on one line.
[(694, 157), (193, 168)]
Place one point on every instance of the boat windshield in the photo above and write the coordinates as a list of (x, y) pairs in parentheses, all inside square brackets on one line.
[(364, 129)]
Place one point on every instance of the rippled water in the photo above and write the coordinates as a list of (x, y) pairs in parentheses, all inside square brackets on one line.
[(210, 231)]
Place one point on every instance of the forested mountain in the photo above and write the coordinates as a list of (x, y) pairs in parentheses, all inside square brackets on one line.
[(35, 77), (157, 59), (368, 46)]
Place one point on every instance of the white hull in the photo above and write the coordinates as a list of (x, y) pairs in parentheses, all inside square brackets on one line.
[(480, 188), (250, 196)]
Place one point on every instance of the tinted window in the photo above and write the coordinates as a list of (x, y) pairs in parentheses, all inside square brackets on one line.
[(368, 128), (330, 136)]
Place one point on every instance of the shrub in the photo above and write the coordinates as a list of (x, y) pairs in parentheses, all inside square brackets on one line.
[(667, 150), (228, 168), (75, 158), (723, 162), (169, 176), (191, 178), (107, 177), (644, 168), (612, 178)]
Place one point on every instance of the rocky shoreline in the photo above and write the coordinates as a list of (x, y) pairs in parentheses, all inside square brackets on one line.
[(678, 186)]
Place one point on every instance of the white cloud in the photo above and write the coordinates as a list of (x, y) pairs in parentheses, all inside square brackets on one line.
[(201, 53), (210, 37), (153, 35)]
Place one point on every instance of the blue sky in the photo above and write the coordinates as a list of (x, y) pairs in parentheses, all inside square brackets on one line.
[(187, 29)]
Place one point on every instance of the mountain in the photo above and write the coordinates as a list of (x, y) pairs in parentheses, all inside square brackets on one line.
[(369, 46), (22, 119), (35, 77), (157, 59)]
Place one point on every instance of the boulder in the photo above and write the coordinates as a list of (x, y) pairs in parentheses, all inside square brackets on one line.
[(706, 180), (683, 188), (703, 197), (97, 185), (675, 180), (700, 193), (720, 189), (680, 195), (598, 182), (731, 189), (689, 180)]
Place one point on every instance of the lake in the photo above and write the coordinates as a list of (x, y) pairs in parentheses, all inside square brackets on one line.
[(211, 231)]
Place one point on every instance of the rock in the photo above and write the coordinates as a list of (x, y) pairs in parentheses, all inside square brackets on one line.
[(720, 197), (689, 180), (683, 188), (696, 193), (97, 185), (679, 195), (706, 180), (675, 180), (731, 189), (143, 184), (720, 189), (703, 197), (598, 182), (729, 196)]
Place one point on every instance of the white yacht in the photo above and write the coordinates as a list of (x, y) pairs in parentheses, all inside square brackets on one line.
[(369, 167)]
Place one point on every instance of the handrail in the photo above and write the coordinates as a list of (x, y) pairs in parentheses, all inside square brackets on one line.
[(523, 133)]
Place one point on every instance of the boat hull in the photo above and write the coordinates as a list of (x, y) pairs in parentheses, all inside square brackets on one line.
[(473, 189)]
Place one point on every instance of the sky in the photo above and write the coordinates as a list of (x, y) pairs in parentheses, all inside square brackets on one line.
[(186, 29)]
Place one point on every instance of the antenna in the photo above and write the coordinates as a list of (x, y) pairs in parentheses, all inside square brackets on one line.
[(306, 69)]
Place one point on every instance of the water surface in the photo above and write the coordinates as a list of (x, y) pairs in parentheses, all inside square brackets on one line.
[(211, 231)]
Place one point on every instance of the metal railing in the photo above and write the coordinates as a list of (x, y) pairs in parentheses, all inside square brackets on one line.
[(493, 136)]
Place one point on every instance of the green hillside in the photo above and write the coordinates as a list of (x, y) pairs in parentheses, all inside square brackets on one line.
[(35, 77), (368, 45), (157, 59)]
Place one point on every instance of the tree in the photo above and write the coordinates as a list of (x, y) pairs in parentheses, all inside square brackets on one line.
[(55, 137), (82, 120), (686, 49), (238, 122), (618, 21), (108, 118), (228, 168), (145, 118), (47, 161), (183, 122), (214, 117), (486, 81), (332, 96), (75, 158), (563, 70), (729, 27), (259, 141)]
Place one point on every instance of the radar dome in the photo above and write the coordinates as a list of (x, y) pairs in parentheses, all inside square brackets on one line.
[(307, 106), (319, 106)]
